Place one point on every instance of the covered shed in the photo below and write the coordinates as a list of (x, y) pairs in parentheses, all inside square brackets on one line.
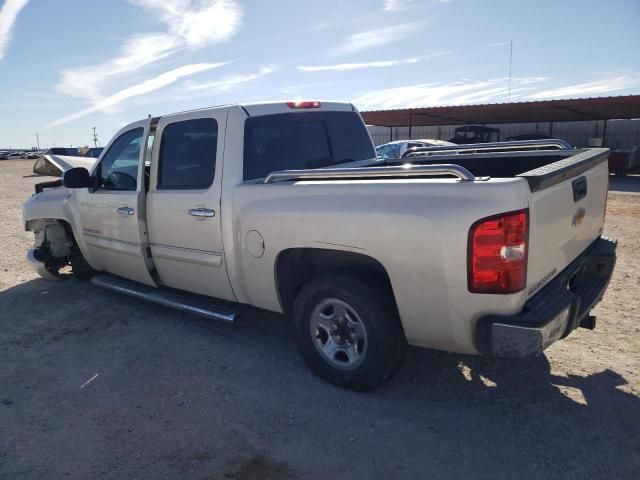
[(593, 115)]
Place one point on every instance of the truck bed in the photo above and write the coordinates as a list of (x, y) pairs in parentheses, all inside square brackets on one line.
[(538, 167)]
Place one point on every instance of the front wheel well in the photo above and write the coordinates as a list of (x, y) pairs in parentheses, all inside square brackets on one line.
[(295, 266), (47, 230)]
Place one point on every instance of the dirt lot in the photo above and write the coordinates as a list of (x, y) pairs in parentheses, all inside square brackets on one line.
[(174, 396)]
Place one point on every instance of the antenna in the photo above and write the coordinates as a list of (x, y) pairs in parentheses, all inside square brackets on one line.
[(95, 138), (510, 67)]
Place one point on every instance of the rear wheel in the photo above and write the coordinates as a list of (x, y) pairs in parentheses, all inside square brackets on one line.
[(348, 331)]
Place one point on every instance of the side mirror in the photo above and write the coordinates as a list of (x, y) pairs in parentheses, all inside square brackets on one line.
[(76, 178)]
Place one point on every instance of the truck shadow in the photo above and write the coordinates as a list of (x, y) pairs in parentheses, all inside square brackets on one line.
[(522, 417)]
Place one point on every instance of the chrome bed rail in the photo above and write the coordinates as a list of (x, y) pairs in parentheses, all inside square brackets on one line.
[(372, 172), (495, 147)]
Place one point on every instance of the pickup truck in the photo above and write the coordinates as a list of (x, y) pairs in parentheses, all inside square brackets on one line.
[(283, 206)]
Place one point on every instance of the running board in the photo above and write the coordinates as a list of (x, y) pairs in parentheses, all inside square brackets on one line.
[(186, 302)]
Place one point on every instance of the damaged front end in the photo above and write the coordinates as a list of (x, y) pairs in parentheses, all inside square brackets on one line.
[(53, 247)]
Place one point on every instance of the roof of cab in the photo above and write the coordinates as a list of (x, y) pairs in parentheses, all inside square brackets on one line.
[(269, 108)]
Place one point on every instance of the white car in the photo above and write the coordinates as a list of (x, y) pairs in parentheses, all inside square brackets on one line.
[(393, 150), (270, 205)]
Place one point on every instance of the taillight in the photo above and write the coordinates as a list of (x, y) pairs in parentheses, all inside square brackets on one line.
[(497, 261), (306, 104)]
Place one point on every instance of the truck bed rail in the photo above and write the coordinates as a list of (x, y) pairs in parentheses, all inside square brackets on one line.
[(495, 147), (372, 172)]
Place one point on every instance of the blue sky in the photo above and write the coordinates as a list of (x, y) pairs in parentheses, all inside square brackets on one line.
[(69, 65)]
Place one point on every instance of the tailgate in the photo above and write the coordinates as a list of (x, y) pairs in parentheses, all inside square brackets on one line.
[(566, 212)]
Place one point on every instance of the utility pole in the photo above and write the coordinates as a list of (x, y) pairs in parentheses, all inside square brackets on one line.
[(510, 66), (38, 140), (95, 138)]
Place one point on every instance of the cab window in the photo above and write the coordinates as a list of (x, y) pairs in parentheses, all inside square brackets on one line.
[(118, 169), (188, 154)]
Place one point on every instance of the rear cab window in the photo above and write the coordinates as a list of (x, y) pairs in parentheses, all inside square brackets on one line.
[(300, 141)]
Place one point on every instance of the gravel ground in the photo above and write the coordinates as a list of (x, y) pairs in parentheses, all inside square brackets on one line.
[(95, 385)]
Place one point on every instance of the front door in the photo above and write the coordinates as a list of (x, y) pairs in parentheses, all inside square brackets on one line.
[(183, 203), (114, 237)]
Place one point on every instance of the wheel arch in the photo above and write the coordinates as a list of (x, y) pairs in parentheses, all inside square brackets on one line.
[(295, 266)]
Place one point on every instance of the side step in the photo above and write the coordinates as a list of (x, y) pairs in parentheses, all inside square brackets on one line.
[(186, 302)]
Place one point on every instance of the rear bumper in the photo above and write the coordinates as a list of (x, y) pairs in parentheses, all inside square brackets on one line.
[(560, 307)]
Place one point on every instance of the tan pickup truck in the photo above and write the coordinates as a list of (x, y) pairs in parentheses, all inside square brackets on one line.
[(285, 207)]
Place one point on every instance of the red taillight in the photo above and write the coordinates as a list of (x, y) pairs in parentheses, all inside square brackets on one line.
[(304, 104), (497, 261)]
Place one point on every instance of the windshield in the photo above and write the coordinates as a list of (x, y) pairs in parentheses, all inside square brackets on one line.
[(388, 151)]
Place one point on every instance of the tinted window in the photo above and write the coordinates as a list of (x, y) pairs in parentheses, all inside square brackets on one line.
[(119, 166), (188, 154), (302, 141)]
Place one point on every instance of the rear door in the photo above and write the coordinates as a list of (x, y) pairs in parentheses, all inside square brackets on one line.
[(111, 216), (183, 203), (565, 218)]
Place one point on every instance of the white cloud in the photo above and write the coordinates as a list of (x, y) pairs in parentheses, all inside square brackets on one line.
[(190, 25), (147, 86), (378, 37), (196, 23), (597, 87), (8, 16), (230, 81), (396, 5), (432, 94), (500, 44), (89, 81), (356, 66)]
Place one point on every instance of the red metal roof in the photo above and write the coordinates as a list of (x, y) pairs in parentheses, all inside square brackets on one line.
[(601, 108)]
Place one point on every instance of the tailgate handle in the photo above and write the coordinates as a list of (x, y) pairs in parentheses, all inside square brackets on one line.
[(579, 188)]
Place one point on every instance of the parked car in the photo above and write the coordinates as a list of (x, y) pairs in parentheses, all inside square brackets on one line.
[(14, 155), (396, 149), (475, 134), (496, 257)]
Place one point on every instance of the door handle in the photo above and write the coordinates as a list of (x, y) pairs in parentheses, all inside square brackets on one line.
[(125, 211), (202, 212)]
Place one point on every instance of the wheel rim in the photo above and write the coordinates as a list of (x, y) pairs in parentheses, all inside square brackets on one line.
[(338, 334)]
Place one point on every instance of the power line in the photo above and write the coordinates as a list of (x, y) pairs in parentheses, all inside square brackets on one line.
[(510, 67)]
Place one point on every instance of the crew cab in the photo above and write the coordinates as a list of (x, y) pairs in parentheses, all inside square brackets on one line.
[(284, 206)]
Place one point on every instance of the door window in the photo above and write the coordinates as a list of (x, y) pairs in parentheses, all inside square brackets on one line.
[(188, 154), (118, 169)]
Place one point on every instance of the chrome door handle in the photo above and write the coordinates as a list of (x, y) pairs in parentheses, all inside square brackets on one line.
[(202, 212), (125, 211)]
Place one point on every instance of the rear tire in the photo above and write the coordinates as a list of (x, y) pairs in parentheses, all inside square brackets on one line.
[(348, 331)]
